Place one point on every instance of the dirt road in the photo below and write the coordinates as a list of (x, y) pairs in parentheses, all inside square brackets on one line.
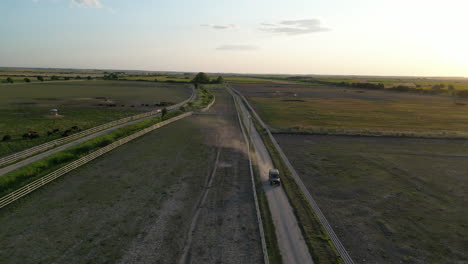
[(291, 242), (226, 229)]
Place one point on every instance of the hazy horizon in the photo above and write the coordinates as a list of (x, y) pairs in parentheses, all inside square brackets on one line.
[(365, 38), (229, 73)]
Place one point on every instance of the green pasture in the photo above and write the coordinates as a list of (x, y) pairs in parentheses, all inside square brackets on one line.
[(25, 108), (163, 78), (20, 177), (309, 113), (389, 82), (244, 79), (59, 93), (16, 121)]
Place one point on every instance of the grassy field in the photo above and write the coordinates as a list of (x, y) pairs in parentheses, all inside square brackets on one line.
[(390, 200), (245, 79), (160, 78), (85, 104), (184, 78), (322, 109), (304, 114), (85, 93), (424, 83), (18, 121)]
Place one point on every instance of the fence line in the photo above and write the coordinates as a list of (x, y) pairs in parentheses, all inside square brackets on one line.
[(313, 204), (30, 187), (54, 143), (266, 259)]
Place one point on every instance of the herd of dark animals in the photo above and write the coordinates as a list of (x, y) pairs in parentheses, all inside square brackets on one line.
[(161, 104), (34, 134)]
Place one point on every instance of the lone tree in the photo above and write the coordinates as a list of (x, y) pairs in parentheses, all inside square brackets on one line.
[(201, 78), (27, 80), (219, 80), (9, 80), (40, 78)]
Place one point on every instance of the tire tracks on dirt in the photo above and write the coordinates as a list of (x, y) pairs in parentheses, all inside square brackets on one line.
[(188, 245)]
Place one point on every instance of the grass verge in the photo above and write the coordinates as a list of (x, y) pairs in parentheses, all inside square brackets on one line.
[(320, 246), (203, 100), (20, 177)]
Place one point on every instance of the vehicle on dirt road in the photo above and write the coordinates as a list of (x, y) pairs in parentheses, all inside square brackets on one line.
[(274, 177)]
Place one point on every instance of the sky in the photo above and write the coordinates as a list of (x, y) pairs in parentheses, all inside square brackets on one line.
[(334, 37)]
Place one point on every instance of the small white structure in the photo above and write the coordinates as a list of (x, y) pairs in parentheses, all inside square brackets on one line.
[(54, 112)]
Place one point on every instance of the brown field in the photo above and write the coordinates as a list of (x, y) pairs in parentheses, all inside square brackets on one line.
[(226, 231), (390, 200)]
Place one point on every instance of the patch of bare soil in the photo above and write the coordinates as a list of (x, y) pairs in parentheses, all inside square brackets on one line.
[(226, 230)]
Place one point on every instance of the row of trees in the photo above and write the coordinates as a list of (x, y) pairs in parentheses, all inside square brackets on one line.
[(34, 134), (203, 78), (200, 78), (435, 89), (52, 78), (111, 76)]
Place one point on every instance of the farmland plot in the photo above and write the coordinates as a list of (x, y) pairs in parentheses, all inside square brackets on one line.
[(136, 203), (388, 199), (81, 105)]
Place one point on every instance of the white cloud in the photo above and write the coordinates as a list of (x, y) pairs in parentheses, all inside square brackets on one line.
[(87, 3), (81, 3), (294, 27), (237, 47), (214, 26)]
